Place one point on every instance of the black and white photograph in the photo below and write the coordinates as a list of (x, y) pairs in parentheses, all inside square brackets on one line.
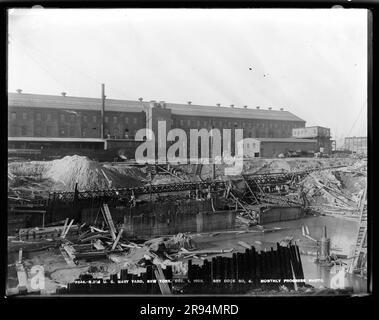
[(187, 152)]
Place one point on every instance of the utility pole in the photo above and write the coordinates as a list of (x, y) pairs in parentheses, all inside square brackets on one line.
[(212, 154), (102, 109)]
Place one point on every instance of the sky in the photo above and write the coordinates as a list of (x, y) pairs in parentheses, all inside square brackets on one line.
[(311, 62)]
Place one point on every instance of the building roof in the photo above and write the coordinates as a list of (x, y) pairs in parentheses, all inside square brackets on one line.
[(288, 140), (78, 103), (229, 112), (47, 139), (81, 103), (312, 127)]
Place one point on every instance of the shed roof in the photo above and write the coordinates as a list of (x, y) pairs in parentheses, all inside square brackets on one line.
[(82, 103)]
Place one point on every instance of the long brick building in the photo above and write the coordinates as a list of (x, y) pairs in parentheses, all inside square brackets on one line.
[(49, 119)]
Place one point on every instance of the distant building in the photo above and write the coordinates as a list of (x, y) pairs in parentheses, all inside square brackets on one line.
[(273, 147), (356, 144), (320, 134)]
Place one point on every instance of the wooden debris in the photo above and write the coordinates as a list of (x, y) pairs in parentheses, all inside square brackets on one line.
[(93, 229), (67, 229), (244, 244), (91, 254), (118, 238), (98, 245), (20, 256), (163, 285), (108, 219), (22, 278), (68, 257), (92, 237), (64, 227), (205, 251)]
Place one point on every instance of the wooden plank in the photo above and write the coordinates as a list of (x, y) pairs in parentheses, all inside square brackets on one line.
[(22, 277), (118, 238), (70, 250), (67, 258), (67, 229), (163, 286), (91, 254), (244, 244), (64, 227), (98, 245), (20, 255), (106, 177), (95, 236), (109, 221)]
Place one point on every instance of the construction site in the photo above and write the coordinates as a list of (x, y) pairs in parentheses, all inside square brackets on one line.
[(282, 226)]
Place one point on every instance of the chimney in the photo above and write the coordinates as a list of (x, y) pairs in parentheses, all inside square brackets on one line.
[(245, 107), (269, 108), (19, 91), (232, 105), (140, 99), (189, 102), (258, 107), (63, 94), (281, 109)]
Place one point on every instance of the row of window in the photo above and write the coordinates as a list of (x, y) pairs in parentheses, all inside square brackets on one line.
[(71, 117), (49, 117), (126, 119), (67, 131), (229, 124), (50, 131)]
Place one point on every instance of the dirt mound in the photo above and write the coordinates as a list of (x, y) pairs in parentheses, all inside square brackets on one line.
[(76, 169), (87, 174), (27, 179)]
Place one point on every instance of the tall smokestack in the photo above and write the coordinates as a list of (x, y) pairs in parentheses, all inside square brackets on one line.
[(102, 109)]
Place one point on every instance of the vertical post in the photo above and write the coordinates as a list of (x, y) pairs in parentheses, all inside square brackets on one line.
[(324, 246), (102, 110), (212, 154)]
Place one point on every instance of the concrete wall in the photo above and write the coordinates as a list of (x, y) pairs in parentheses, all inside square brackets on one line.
[(275, 214), (155, 219)]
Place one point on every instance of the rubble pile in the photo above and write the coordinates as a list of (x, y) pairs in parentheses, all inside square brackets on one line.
[(336, 192)]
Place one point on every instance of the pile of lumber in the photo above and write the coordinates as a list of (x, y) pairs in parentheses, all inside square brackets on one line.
[(49, 233), (333, 200)]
